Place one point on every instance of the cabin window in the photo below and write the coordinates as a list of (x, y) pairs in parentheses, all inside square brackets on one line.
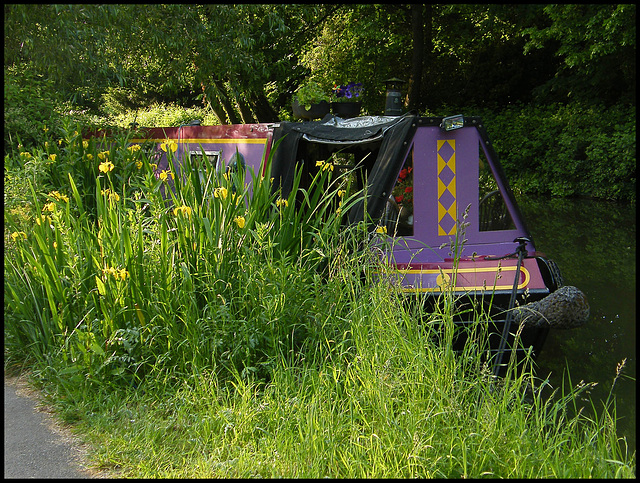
[(493, 212), (195, 157), (398, 214), (201, 162)]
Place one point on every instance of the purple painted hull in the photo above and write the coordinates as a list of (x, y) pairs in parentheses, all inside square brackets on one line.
[(448, 185)]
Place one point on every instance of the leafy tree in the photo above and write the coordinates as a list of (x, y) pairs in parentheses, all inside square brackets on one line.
[(597, 47), (245, 61), (448, 54), (69, 44), (227, 55), (360, 43)]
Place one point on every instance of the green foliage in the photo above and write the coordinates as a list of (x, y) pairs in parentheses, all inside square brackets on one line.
[(376, 401), (311, 93), (202, 280), (572, 150), (596, 45), (357, 43), (29, 107), (34, 112), (72, 45), (245, 61), (163, 115), (226, 335)]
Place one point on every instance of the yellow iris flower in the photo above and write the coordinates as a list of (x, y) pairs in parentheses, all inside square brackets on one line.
[(240, 221), (220, 193), (169, 144), (106, 166)]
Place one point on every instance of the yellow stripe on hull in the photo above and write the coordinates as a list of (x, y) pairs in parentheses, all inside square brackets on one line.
[(448, 271)]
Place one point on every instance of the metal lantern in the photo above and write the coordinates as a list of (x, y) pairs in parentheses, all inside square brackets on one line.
[(394, 104)]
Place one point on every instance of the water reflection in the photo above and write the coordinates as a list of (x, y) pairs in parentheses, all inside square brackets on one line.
[(594, 243)]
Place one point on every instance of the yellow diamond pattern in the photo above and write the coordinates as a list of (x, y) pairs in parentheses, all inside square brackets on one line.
[(450, 188)]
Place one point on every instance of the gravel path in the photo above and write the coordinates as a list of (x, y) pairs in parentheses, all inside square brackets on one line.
[(35, 445)]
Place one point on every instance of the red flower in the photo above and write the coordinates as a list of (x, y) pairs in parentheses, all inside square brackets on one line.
[(402, 175), (408, 189), (399, 199)]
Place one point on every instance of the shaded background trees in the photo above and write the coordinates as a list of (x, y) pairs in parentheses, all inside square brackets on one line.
[(244, 62)]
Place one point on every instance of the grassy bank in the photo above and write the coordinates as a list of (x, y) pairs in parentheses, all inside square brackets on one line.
[(224, 335)]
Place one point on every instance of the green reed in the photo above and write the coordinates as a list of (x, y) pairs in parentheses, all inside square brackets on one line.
[(129, 282), (228, 332)]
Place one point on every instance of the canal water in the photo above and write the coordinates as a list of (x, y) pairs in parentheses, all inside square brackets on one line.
[(594, 244)]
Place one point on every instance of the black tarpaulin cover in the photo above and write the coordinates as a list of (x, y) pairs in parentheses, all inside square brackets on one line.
[(395, 133)]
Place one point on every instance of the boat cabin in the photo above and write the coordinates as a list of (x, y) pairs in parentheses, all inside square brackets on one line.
[(435, 193)]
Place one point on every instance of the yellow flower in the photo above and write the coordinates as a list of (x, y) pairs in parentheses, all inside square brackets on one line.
[(89, 156), (237, 198), (240, 221), (341, 193), (133, 148), (42, 219), (121, 274), (45, 128), (139, 164), (103, 154), (49, 207), (163, 175), (186, 210), (58, 196), (281, 202), (85, 144), (170, 144), (106, 166), (25, 154), (19, 235), (111, 195), (220, 193), (325, 165), (381, 229)]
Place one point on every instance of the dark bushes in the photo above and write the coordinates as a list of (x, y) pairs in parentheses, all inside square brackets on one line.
[(567, 150)]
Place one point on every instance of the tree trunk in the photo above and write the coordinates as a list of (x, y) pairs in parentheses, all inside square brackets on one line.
[(415, 82), (263, 110), (223, 96), (218, 111), (209, 101), (427, 56), (245, 110)]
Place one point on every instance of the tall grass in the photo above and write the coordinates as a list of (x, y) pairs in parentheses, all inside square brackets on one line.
[(227, 332), (125, 282)]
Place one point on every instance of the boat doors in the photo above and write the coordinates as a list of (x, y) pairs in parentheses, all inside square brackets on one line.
[(451, 175)]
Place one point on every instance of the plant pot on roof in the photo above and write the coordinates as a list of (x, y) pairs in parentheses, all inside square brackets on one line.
[(346, 99), (310, 101)]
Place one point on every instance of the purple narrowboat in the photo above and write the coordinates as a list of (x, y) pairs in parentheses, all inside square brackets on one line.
[(436, 194)]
